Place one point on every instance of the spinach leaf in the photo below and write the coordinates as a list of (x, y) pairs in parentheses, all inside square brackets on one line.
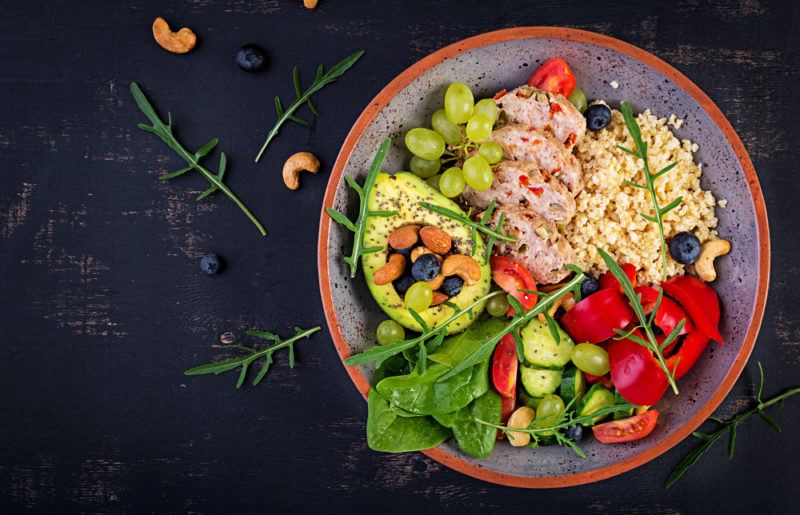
[(455, 349), (392, 366), (388, 432), (473, 437)]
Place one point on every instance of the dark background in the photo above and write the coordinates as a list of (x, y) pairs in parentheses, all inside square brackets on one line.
[(102, 303)]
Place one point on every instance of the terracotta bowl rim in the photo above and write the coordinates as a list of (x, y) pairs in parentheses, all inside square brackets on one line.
[(499, 36)]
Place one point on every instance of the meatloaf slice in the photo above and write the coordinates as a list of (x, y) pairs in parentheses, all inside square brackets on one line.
[(550, 112)]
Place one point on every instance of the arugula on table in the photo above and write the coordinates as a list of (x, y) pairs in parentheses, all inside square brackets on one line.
[(164, 131), (302, 97), (253, 354)]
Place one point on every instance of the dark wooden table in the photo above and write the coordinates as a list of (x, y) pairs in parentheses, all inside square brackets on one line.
[(102, 303)]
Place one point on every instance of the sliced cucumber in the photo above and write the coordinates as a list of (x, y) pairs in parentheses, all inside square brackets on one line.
[(596, 398), (573, 385), (619, 415), (541, 350), (539, 382)]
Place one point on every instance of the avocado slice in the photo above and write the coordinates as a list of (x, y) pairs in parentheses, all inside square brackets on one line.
[(402, 192)]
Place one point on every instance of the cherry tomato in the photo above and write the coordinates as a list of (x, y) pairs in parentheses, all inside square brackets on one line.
[(607, 280), (635, 372), (605, 380), (690, 350), (504, 367), (512, 277), (699, 300), (507, 406), (628, 429), (669, 313), (594, 319), (554, 76)]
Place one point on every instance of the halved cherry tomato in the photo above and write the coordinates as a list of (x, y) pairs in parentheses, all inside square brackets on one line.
[(635, 372), (669, 313), (604, 380), (594, 319), (504, 367), (554, 76), (512, 277), (699, 300), (690, 350), (628, 429), (507, 405), (607, 280)]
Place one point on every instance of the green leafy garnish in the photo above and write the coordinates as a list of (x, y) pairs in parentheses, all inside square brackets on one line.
[(730, 428), (476, 226), (164, 131), (357, 227), (322, 79), (252, 355)]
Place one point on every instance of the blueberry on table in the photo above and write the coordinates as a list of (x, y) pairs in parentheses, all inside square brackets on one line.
[(598, 116), (426, 268), (451, 286), (402, 285), (211, 264), (684, 247), (589, 286), (575, 433), (251, 58)]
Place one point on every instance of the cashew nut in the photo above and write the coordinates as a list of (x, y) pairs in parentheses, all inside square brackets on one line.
[(298, 162), (704, 266), (176, 42), (391, 271), (463, 266), (310, 4)]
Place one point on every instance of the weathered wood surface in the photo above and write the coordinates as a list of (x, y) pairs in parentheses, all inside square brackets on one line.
[(102, 305)]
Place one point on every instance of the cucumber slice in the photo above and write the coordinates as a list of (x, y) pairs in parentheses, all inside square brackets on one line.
[(596, 398), (541, 350), (573, 385), (619, 415), (539, 382)]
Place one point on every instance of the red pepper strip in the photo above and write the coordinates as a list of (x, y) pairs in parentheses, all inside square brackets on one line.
[(604, 380), (607, 280), (594, 318), (635, 372), (699, 300), (669, 313), (512, 277), (693, 346), (504, 367)]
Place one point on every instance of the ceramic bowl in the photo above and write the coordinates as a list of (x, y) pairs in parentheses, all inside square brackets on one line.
[(504, 59)]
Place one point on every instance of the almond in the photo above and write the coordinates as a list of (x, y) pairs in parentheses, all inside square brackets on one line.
[(438, 298), (438, 241), (404, 237), (390, 271), (463, 266)]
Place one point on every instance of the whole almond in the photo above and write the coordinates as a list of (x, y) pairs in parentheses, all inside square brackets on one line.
[(390, 271), (463, 266), (404, 237), (436, 239)]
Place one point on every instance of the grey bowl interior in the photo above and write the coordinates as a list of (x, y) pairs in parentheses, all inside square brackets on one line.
[(505, 65)]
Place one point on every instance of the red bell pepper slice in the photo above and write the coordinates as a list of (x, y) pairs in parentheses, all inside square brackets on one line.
[(554, 76), (504, 367), (607, 280), (693, 346), (594, 318), (669, 313), (699, 300), (635, 372), (512, 277), (604, 380)]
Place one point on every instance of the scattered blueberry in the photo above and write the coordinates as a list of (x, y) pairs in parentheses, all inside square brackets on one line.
[(452, 285), (211, 264), (598, 116), (251, 58), (575, 433), (426, 267), (589, 286), (402, 285), (684, 247)]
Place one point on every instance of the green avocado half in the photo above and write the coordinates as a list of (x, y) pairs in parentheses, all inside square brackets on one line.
[(402, 192)]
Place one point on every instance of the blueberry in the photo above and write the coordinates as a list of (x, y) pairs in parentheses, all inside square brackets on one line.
[(425, 268), (211, 264), (251, 58), (452, 286), (589, 286), (402, 285), (684, 247), (575, 433), (598, 116)]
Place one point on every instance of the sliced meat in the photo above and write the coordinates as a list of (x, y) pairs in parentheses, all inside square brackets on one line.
[(525, 143), (524, 184), (539, 246), (550, 112)]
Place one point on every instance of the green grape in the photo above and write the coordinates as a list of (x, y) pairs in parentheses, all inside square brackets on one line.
[(578, 99), (487, 108), (425, 143), (549, 406), (591, 359), (479, 127), (434, 181), (477, 173), (419, 296), (447, 129), (459, 103), (497, 306), (424, 168), (389, 331), (452, 182), (491, 151)]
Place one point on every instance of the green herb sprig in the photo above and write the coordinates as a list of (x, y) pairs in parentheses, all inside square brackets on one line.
[(322, 79), (252, 355), (730, 428), (164, 131), (649, 181), (358, 227), (478, 226)]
